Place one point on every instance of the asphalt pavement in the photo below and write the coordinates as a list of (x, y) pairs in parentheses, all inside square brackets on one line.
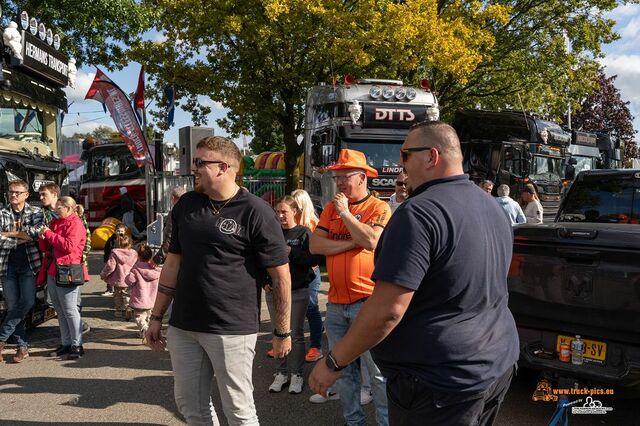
[(120, 381)]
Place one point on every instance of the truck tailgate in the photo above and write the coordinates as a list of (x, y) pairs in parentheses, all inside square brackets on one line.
[(578, 279)]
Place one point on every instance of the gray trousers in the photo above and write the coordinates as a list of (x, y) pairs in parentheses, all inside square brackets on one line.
[(294, 362), (195, 357)]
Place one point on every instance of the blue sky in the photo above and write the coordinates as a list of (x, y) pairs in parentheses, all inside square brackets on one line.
[(622, 59)]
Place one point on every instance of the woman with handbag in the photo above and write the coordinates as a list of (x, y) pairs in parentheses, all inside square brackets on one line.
[(66, 235)]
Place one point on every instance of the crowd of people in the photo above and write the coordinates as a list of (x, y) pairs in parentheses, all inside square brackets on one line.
[(417, 306), (529, 210)]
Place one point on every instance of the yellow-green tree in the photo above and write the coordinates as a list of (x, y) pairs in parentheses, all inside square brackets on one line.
[(259, 58)]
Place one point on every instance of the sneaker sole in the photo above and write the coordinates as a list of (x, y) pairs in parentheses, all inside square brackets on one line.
[(313, 359), (277, 391)]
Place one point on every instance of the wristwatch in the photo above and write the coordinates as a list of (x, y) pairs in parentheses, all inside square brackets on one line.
[(281, 335), (155, 318), (332, 364)]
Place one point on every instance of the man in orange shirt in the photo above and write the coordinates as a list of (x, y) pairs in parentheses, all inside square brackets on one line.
[(347, 234)]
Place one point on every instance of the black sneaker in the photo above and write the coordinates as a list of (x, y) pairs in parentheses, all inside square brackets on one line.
[(60, 350), (75, 352)]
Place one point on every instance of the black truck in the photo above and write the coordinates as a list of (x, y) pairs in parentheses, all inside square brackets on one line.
[(580, 275), (514, 148)]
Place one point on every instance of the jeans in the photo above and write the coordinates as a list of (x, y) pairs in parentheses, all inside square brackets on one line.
[(127, 219), (195, 358), (413, 403), (19, 290), (294, 362), (65, 302), (339, 319), (313, 312)]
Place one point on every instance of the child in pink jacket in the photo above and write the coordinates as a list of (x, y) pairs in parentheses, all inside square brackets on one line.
[(143, 287), (122, 259)]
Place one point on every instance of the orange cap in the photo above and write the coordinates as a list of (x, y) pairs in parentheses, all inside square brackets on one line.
[(352, 159)]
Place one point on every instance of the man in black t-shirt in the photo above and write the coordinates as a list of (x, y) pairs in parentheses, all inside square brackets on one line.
[(222, 236), (446, 340)]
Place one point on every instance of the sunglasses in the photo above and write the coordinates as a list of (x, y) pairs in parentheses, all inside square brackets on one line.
[(398, 183), (406, 152), (199, 162)]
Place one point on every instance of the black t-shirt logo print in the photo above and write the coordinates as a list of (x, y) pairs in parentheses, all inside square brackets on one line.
[(228, 226)]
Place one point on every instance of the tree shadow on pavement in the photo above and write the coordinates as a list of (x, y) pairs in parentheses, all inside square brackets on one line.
[(101, 393)]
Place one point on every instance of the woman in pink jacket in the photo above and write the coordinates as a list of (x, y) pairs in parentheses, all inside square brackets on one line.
[(66, 235), (143, 287), (122, 259)]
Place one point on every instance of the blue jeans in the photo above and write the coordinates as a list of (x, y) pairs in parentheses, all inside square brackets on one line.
[(128, 219), (65, 302), (19, 290), (294, 362), (339, 319), (313, 312)]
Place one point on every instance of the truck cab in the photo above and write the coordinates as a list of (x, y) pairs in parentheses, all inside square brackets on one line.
[(109, 166), (368, 115), (514, 148)]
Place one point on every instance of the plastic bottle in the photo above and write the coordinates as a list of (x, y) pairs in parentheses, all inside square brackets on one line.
[(577, 351)]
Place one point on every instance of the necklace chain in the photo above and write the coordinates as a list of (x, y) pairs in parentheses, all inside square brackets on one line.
[(217, 211)]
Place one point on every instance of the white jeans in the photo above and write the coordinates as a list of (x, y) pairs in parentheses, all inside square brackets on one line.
[(195, 358)]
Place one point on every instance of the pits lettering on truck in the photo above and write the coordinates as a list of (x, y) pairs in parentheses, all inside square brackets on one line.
[(389, 114)]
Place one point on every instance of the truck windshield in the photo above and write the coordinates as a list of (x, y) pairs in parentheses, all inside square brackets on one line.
[(21, 124), (604, 200), (584, 163), (379, 154), (546, 168), (108, 163)]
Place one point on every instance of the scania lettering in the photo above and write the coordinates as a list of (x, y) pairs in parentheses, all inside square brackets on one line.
[(372, 116), (31, 102)]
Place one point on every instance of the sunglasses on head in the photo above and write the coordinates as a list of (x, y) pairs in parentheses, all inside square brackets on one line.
[(199, 162), (406, 152)]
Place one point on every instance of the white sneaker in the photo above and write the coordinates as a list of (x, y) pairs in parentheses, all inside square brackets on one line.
[(365, 396), (279, 382), (296, 384), (316, 398)]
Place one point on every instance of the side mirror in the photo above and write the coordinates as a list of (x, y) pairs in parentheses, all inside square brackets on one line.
[(573, 161)]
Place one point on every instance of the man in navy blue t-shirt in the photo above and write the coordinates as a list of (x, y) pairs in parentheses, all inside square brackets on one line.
[(446, 340)]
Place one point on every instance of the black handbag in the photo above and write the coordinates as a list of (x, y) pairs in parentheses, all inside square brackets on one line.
[(69, 275)]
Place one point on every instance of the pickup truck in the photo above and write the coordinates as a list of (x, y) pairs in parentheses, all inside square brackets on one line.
[(580, 275)]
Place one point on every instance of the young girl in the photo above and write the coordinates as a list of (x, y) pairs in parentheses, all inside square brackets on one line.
[(121, 229), (300, 265), (143, 287), (122, 259)]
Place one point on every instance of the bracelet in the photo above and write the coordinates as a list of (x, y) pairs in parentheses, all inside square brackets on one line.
[(156, 318), (281, 335), (344, 213)]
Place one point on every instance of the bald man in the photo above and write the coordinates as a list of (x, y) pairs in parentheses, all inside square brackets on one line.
[(438, 321)]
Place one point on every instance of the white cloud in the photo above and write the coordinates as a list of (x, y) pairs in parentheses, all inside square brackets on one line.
[(208, 102), (69, 128), (631, 28), (627, 68), (624, 11), (83, 82)]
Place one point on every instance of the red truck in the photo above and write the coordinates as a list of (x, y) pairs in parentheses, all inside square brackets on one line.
[(110, 166)]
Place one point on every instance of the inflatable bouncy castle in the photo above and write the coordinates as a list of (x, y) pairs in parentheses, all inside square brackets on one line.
[(265, 176)]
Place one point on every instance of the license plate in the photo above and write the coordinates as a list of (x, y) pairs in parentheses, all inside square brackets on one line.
[(593, 349), (49, 313)]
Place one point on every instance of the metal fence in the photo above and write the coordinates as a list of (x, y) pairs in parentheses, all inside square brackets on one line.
[(269, 188)]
